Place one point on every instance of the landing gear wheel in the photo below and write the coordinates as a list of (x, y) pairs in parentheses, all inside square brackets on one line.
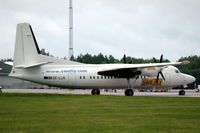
[(181, 92), (129, 92), (95, 92)]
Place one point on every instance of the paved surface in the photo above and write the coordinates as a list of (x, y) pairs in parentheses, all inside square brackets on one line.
[(170, 93)]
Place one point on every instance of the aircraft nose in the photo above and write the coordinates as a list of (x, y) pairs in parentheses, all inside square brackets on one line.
[(190, 79)]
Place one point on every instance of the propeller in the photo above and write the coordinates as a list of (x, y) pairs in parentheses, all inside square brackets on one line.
[(160, 72), (161, 59), (155, 60), (124, 59)]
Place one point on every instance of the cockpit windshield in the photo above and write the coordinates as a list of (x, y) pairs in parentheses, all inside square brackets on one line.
[(177, 71)]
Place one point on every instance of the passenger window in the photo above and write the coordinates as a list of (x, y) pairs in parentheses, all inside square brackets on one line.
[(90, 77), (83, 77), (80, 77), (93, 77)]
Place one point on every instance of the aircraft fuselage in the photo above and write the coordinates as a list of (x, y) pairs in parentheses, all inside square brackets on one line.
[(86, 77)]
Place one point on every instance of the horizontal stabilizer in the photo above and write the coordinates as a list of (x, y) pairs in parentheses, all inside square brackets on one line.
[(32, 65)]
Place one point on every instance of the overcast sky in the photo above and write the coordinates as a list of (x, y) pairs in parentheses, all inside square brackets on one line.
[(138, 28)]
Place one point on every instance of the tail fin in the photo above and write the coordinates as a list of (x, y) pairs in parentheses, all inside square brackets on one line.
[(27, 53), (26, 48)]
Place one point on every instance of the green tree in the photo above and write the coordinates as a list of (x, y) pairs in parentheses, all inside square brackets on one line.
[(8, 59), (43, 52)]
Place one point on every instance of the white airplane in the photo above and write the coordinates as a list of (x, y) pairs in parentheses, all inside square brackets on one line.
[(30, 65)]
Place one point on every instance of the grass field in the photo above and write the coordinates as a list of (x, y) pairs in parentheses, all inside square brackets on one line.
[(49, 113)]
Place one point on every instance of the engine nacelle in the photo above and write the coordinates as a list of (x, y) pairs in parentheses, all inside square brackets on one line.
[(151, 71)]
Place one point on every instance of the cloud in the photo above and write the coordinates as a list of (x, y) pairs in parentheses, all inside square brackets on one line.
[(140, 28)]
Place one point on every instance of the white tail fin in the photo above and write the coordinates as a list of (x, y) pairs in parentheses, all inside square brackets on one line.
[(26, 48), (27, 53)]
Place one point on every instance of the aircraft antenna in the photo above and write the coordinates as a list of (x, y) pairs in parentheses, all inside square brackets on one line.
[(71, 54)]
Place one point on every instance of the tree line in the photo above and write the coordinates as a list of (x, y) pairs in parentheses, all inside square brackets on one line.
[(104, 59)]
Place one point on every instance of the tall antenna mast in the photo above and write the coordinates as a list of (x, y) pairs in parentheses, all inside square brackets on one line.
[(71, 53)]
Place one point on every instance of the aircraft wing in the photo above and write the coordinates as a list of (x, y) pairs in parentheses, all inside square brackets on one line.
[(131, 70)]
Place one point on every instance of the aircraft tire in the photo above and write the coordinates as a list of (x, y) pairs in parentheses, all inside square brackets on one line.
[(95, 92), (129, 92), (181, 92)]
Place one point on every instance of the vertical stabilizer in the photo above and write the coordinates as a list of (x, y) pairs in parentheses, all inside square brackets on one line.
[(26, 48), (27, 53)]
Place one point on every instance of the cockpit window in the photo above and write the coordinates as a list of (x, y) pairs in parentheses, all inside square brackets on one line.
[(177, 71)]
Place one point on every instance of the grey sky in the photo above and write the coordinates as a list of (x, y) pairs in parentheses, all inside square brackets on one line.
[(138, 28)]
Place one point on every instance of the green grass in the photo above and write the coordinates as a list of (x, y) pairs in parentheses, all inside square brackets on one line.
[(48, 113)]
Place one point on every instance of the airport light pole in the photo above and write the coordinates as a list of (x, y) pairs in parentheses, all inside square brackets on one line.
[(71, 30)]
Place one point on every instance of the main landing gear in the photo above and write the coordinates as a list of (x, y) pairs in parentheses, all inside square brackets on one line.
[(181, 92), (95, 92), (129, 92)]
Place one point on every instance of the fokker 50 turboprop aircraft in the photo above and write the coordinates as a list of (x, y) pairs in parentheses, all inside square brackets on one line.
[(30, 65)]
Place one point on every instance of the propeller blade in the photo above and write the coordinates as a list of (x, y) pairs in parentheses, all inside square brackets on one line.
[(124, 59), (161, 58), (162, 75), (155, 60), (157, 78), (159, 73)]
